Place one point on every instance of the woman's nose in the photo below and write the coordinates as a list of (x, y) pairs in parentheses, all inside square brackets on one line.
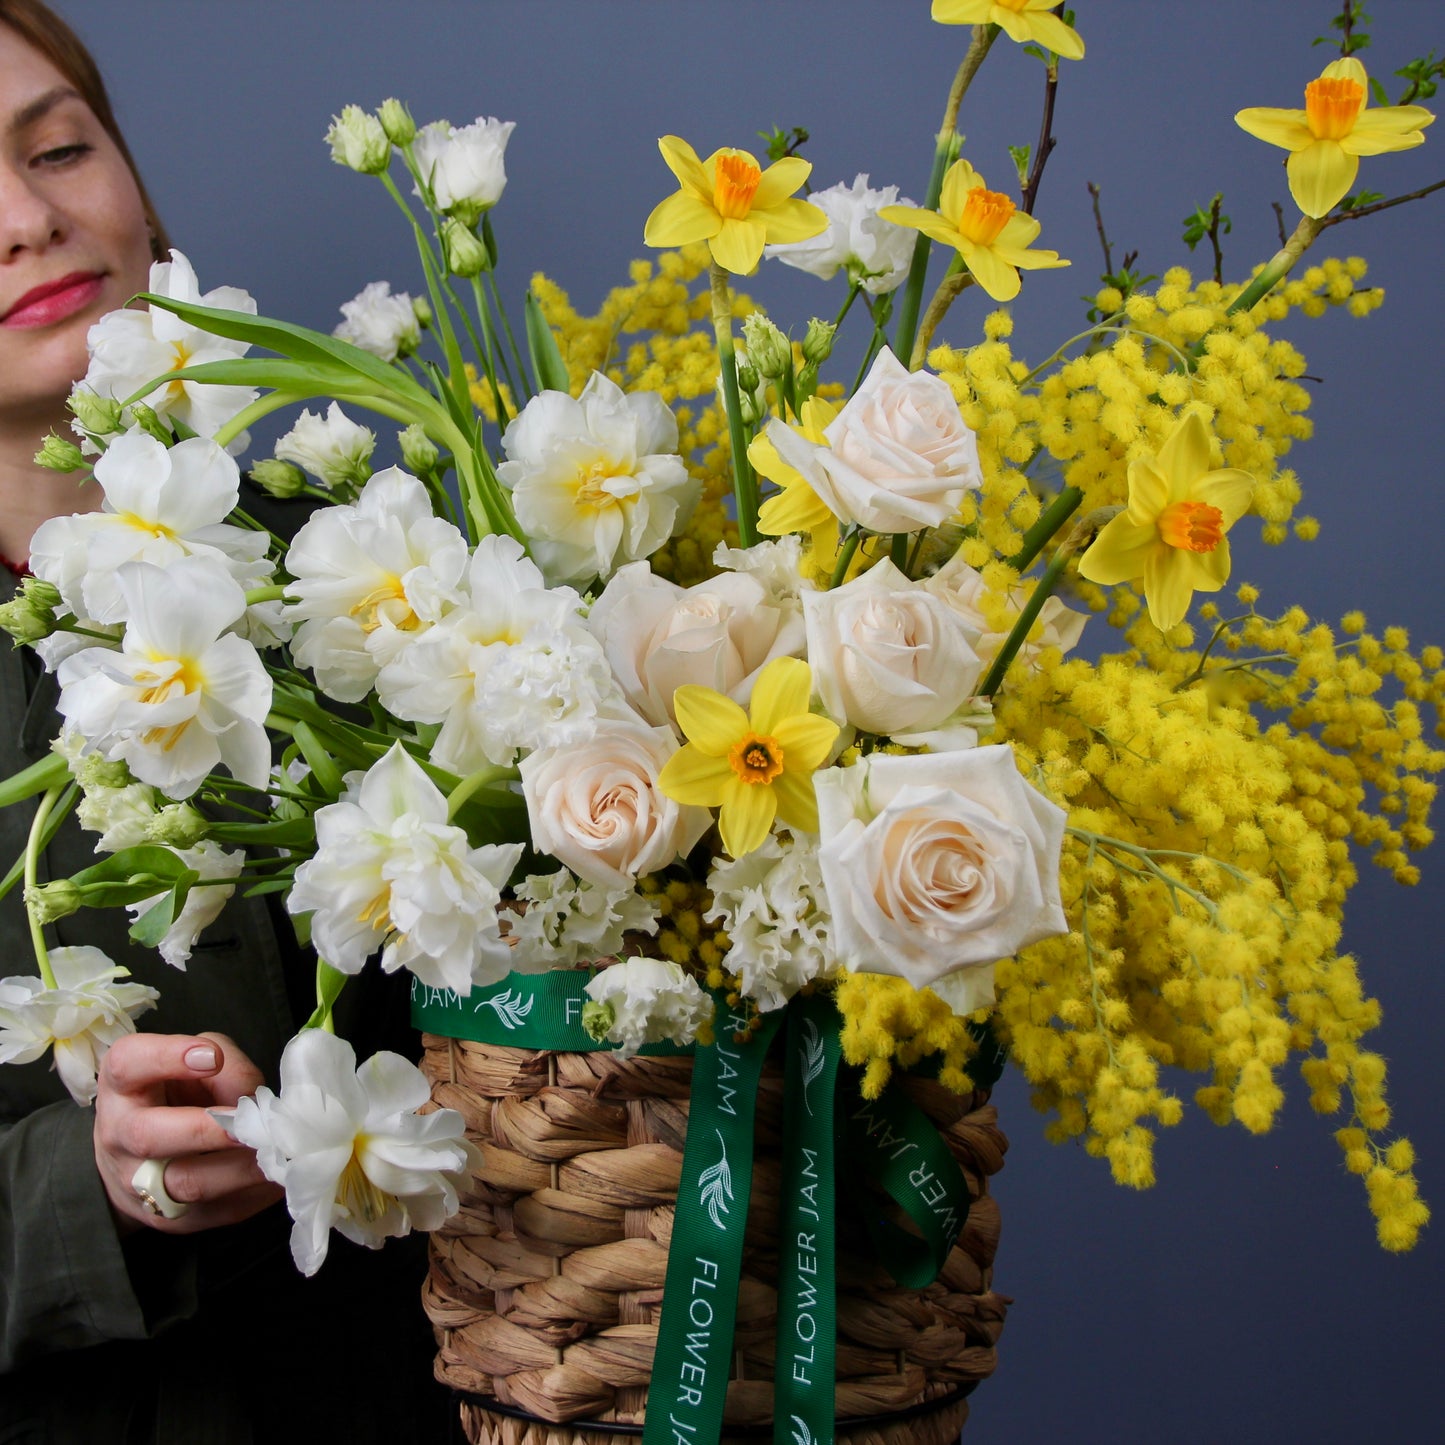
[(28, 220)]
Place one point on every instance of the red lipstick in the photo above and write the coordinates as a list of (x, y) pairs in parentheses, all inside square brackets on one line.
[(55, 300)]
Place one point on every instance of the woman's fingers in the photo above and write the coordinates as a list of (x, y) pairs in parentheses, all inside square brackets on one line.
[(139, 1066), (210, 1178)]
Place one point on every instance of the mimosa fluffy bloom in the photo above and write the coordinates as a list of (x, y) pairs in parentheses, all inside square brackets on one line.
[(984, 227), (755, 766), (1327, 138), (734, 205), (1020, 20), (1172, 532)]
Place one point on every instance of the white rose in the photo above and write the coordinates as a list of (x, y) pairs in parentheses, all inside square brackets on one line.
[(888, 656), (898, 457), (874, 252), (718, 634), (597, 807), (464, 167), (378, 322), (938, 865)]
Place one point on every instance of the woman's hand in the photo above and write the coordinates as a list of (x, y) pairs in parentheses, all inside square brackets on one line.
[(154, 1091)]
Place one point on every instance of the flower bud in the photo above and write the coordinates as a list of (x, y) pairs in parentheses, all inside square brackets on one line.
[(396, 121), (418, 451), (818, 341), (48, 901), (465, 253), (147, 420), (422, 307), (358, 141), (95, 772), (749, 402), (278, 478), (29, 616), (598, 1020), (99, 415), (767, 347), (177, 825), (59, 454)]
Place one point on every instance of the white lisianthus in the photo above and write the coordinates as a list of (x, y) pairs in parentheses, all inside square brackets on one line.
[(129, 348), (644, 1001), (938, 865), (202, 906), (773, 907), (182, 695), (465, 167), (350, 1148), (122, 816), (719, 634), (358, 141), (873, 252), (888, 656), (370, 577), (596, 481), (962, 588), (390, 872), (595, 806), (160, 504), (570, 921), (333, 448), (80, 1018), (512, 668), (378, 322), (898, 457)]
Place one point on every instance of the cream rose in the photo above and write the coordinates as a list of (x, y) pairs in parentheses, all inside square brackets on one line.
[(888, 656), (718, 634), (962, 587), (597, 808), (897, 458), (938, 865)]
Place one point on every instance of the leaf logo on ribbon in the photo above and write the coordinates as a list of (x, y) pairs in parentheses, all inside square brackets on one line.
[(512, 1011), (801, 1434), (717, 1185), (812, 1061)]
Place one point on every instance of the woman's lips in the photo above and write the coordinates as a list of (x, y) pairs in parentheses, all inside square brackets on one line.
[(46, 305)]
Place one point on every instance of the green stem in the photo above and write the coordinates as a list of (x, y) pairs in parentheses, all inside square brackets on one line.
[(1020, 630), (473, 783), (949, 290), (1050, 520), (1279, 265), (267, 594), (39, 777), (525, 389), (853, 289), (33, 846), (845, 557), (489, 346), (262, 406), (898, 552), (745, 487)]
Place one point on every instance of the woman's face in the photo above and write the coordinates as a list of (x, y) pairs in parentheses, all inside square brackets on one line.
[(74, 242)]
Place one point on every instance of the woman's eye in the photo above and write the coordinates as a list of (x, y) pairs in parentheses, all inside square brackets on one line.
[(63, 155)]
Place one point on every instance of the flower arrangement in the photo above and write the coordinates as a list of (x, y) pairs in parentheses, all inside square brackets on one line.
[(824, 739)]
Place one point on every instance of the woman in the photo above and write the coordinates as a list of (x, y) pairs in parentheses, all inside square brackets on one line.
[(155, 1314)]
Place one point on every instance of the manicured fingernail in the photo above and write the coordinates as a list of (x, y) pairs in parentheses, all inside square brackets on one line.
[(202, 1058)]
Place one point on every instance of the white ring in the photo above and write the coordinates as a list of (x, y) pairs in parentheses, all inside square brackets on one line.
[(149, 1183)]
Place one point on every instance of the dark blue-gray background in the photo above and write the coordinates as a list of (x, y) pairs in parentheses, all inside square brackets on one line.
[(1244, 1298)]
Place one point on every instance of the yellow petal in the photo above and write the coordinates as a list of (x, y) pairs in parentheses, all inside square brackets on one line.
[(747, 813), (1389, 128), (1030, 260), (680, 220), (993, 274), (682, 161), (710, 720), (1229, 489), (1346, 68), (1184, 457), (1018, 28), (780, 180), (796, 801), (1320, 176), (1166, 586), (1210, 569), (958, 181), (1285, 128), (929, 222), (817, 413), (695, 779), (767, 463), (1019, 232), (1119, 553), (1148, 492), (1050, 31), (797, 509), (781, 691), (962, 12), (790, 220), (738, 245), (806, 741)]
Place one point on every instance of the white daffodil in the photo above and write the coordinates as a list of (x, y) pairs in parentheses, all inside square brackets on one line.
[(370, 577), (872, 252), (643, 1001), (129, 348), (80, 1018), (160, 504), (179, 697), (349, 1147), (390, 872), (202, 906), (511, 669), (596, 481), (465, 167), (333, 448), (378, 322)]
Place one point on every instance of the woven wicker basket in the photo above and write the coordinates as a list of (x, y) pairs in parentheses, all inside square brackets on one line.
[(545, 1290)]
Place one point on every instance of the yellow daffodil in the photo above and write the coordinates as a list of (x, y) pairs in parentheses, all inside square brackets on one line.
[(1172, 532), (984, 227), (734, 205), (754, 766), (1327, 138), (1020, 20), (797, 507)]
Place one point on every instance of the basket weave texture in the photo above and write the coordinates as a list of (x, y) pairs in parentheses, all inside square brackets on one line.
[(546, 1289)]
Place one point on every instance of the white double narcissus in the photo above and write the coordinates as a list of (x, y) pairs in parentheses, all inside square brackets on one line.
[(390, 872), (369, 578), (874, 253), (349, 1147), (182, 695), (378, 322), (129, 348)]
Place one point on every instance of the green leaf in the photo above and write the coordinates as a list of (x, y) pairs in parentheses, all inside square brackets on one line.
[(39, 777), (548, 368), (271, 885), (1020, 157), (321, 763), (329, 983), (148, 859), (288, 833), (1378, 93), (303, 378), (155, 922)]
